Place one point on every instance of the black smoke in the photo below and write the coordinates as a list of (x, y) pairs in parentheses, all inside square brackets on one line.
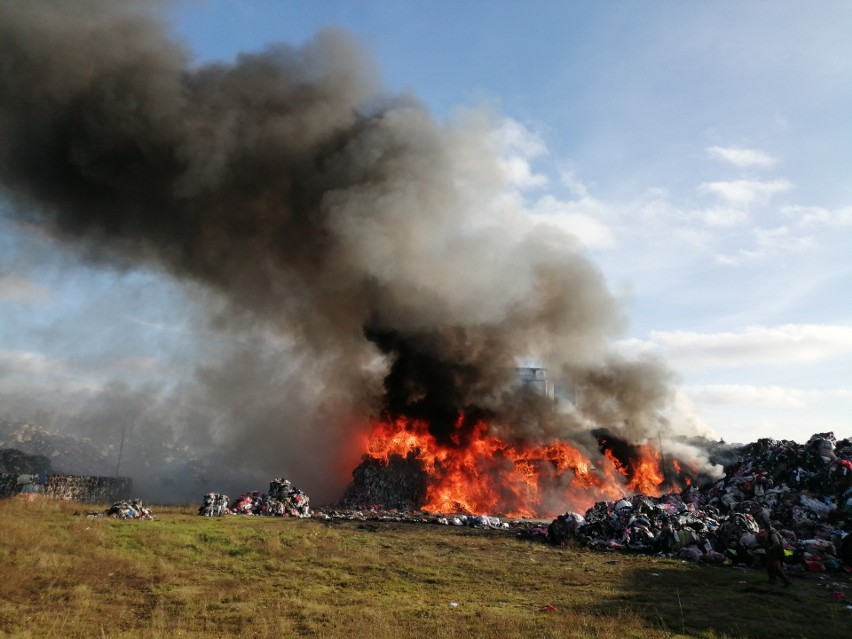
[(308, 208)]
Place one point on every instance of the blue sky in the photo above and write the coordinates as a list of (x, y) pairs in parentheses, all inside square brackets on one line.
[(699, 151)]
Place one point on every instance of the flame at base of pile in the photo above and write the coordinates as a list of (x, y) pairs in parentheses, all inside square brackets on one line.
[(473, 471)]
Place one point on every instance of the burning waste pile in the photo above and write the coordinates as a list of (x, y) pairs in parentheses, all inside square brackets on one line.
[(469, 470), (282, 500), (362, 258), (803, 491), (378, 276)]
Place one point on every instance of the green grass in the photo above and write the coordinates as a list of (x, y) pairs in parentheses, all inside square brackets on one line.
[(68, 576)]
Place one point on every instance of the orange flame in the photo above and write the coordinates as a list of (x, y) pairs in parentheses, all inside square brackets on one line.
[(678, 468), (490, 475), (616, 463), (647, 475)]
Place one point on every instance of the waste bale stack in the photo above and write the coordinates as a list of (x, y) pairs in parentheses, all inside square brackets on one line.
[(292, 501), (92, 490), (214, 505), (82, 488), (282, 500), (803, 491), (396, 484)]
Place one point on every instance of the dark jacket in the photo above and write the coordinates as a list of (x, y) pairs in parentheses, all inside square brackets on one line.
[(774, 545)]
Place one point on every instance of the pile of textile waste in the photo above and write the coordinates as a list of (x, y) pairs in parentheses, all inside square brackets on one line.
[(802, 491), (282, 500), (127, 509)]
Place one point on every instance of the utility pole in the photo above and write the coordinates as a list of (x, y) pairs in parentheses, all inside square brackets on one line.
[(662, 457), (120, 450)]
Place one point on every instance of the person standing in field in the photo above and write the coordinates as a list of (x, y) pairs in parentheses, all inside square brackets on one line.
[(774, 545)]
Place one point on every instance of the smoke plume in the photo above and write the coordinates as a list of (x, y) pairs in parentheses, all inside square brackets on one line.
[(323, 219)]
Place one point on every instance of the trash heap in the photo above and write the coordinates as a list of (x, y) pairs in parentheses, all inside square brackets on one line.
[(282, 500), (473, 521), (803, 491), (397, 484), (129, 509), (214, 505)]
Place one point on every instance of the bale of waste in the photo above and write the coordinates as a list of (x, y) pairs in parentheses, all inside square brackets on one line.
[(282, 500)]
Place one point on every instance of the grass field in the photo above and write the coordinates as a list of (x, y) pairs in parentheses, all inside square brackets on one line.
[(67, 576)]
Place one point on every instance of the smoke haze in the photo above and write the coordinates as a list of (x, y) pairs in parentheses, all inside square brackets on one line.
[(356, 255)]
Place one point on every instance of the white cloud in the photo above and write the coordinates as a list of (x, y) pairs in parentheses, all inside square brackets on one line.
[(659, 223), (745, 192), (779, 345), (817, 216), (16, 288), (740, 157), (722, 217), (782, 240), (635, 348), (769, 243), (777, 397), (654, 205), (574, 184), (23, 362)]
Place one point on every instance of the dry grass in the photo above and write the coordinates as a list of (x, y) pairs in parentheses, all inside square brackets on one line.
[(186, 576)]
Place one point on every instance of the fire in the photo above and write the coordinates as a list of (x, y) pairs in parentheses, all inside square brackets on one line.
[(647, 475), (681, 473), (476, 472), (616, 463)]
